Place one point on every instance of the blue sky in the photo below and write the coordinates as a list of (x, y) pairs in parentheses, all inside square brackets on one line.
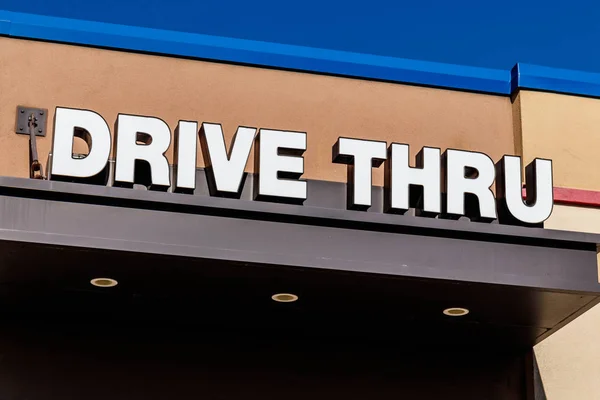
[(488, 33)]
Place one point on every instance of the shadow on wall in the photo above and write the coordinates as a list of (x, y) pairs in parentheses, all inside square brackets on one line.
[(540, 392)]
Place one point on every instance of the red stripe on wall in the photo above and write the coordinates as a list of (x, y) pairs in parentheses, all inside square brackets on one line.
[(575, 197)]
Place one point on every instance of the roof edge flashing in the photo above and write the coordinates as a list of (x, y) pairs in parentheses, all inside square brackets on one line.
[(299, 58), (257, 53)]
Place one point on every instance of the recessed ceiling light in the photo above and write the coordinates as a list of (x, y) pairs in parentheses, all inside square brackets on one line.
[(284, 297), (104, 282), (456, 311)]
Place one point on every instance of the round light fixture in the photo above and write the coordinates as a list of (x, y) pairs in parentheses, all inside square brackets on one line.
[(104, 282), (284, 297), (456, 312)]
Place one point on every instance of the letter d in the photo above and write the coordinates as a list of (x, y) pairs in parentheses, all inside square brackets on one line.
[(90, 127)]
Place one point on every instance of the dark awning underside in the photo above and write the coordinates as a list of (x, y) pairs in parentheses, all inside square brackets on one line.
[(216, 262)]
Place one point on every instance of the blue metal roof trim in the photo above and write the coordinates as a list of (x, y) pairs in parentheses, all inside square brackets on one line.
[(32, 26), (535, 77), (275, 55)]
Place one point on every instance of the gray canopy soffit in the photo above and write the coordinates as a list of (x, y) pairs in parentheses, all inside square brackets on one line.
[(358, 274)]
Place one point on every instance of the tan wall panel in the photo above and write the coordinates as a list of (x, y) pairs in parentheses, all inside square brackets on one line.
[(569, 360), (576, 219), (109, 82), (565, 129)]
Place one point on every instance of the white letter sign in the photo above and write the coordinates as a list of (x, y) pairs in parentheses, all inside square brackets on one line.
[(361, 156), (142, 139), (225, 172), (451, 185), (457, 165), (414, 187), (90, 127), (280, 164)]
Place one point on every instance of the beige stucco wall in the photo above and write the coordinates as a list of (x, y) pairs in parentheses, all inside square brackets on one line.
[(569, 360), (325, 107), (565, 129)]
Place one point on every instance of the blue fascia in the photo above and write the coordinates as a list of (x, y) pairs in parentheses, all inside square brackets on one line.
[(298, 58)]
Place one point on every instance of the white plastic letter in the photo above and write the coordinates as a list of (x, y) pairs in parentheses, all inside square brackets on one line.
[(186, 146), (509, 189), (155, 137), (88, 126), (361, 156), (457, 165), (426, 175), (225, 172), (272, 165)]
